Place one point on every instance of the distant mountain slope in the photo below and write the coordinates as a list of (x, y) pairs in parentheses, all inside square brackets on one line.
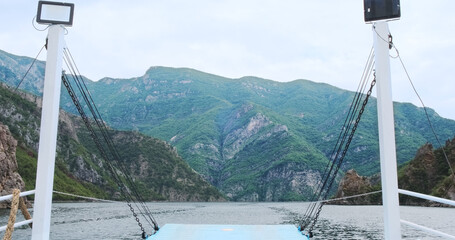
[(254, 139), (13, 68), (159, 172)]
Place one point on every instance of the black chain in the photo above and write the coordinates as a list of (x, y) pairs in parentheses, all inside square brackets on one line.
[(135, 216), (345, 150), (98, 144)]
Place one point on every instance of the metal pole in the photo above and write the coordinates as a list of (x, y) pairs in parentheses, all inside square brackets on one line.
[(48, 134), (389, 179)]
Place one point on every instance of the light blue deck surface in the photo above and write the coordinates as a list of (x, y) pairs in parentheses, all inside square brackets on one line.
[(228, 232)]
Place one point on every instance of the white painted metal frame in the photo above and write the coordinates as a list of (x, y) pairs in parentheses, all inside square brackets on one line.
[(386, 126), (387, 148), (427, 197), (22, 194), (48, 134), (18, 224), (9, 197), (431, 198), (428, 230)]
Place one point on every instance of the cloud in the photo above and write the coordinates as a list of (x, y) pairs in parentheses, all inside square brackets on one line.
[(325, 41)]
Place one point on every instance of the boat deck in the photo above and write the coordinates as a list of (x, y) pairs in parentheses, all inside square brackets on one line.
[(221, 232)]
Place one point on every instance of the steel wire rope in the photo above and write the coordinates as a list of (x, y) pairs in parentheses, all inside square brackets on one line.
[(84, 197), (352, 196), (324, 190), (123, 169), (362, 84), (113, 171), (101, 123), (86, 120), (428, 117), (109, 142), (392, 45), (125, 192), (341, 139), (330, 176), (89, 105), (353, 130), (30, 67), (92, 107), (426, 112), (91, 130)]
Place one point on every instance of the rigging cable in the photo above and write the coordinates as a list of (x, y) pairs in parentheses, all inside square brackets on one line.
[(126, 193), (352, 196), (114, 155), (392, 45), (342, 135), (341, 139), (346, 147), (426, 113), (104, 155), (102, 126), (340, 149), (30, 67), (37, 55)]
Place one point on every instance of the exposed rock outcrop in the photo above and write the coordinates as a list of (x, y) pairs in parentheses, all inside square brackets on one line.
[(429, 173), (353, 184), (9, 177), (289, 182)]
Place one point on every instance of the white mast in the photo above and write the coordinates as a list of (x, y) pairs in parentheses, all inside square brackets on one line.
[(56, 15), (48, 134), (389, 179)]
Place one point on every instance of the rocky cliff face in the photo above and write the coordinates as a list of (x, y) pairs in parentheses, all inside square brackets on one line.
[(353, 184), (429, 173), (235, 132), (160, 172), (289, 182), (9, 177), (251, 158), (420, 174)]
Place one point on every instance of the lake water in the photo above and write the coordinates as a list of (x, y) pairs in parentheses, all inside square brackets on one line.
[(114, 220)]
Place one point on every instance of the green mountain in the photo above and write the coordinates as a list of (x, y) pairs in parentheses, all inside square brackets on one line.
[(254, 139), (158, 171)]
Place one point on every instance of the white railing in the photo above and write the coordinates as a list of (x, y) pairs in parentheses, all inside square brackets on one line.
[(9, 197), (18, 224), (427, 197), (22, 194), (431, 198)]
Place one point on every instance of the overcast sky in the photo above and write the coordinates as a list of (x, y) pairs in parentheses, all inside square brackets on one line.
[(282, 40)]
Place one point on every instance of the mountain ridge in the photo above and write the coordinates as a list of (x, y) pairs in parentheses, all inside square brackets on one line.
[(222, 126)]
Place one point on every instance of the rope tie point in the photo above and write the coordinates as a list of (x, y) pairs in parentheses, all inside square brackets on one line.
[(16, 203)]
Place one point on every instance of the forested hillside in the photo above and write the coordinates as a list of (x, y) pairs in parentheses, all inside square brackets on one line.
[(252, 138), (159, 172)]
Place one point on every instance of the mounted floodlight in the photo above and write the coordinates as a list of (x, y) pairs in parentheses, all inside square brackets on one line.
[(381, 10), (55, 13)]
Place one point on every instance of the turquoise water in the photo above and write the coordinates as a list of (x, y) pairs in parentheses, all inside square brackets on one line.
[(114, 220)]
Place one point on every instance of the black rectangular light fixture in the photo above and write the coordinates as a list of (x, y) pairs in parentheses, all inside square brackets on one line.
[(55, 13), (381, 10)]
